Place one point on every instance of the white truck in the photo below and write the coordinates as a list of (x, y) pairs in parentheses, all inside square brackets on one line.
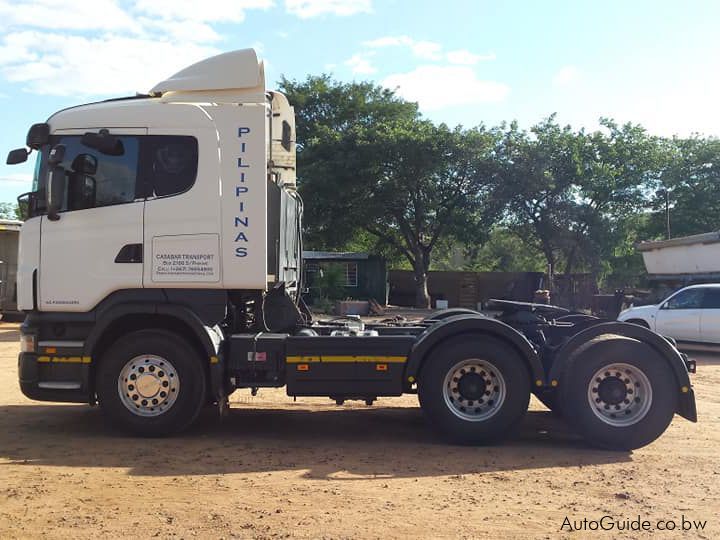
[(160, 270)]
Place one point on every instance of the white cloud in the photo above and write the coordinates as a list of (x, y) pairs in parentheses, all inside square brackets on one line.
[(360, 64), (566, 76), (437, 87), (306, 9), (61, 14), (466, 58), (16, 178), (101, 47), (207, 10), (62, 66), (427, 50), (180, 30)]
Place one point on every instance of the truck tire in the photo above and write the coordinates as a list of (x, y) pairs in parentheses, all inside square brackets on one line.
[(151, 383), (618, 393), (474, 390)]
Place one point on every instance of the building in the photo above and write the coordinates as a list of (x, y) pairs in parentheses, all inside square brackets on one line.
[(365, 275), (9, 237)]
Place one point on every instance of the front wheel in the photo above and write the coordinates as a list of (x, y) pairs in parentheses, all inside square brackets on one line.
[(151, 382), (618, 393), (474, 390)]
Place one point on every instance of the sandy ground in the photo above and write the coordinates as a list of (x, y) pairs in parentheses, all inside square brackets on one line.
[(278, 468)]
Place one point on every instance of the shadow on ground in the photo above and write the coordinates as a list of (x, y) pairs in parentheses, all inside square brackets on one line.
[(378, 442)]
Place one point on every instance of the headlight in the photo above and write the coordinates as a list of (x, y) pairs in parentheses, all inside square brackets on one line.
[(28, 343)]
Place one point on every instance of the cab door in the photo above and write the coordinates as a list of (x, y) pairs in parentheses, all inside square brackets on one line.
[(182, 212), (679, 315), (91, 250)]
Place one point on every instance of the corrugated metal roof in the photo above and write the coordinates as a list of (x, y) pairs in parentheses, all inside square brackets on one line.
[(705, 238)]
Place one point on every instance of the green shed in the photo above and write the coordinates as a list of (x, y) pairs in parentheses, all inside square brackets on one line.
[(366, 275)]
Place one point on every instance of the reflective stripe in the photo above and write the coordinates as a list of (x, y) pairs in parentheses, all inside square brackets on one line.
[(64, 359), (345, 359), (60, 385)]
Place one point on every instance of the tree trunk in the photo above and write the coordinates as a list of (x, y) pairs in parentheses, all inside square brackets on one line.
[(420, 269), (422, 296)]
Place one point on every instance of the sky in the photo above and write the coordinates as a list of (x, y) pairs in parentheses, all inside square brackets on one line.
[(466, 62)]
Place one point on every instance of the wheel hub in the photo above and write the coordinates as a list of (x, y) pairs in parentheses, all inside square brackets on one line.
[(148, 385), (620, 394), (612, 390), (471, 386), (474, 390)]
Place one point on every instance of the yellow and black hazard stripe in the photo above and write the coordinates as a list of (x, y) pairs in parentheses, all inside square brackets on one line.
[(64, 359)]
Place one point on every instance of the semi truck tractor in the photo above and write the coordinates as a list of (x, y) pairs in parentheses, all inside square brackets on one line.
[(160, 270)]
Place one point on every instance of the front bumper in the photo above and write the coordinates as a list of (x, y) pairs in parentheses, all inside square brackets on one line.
[(46, 377)]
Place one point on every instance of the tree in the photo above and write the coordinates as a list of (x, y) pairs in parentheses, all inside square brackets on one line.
[(569, 191), (689, 184), (370, 164), (9, 211), (539, 172)]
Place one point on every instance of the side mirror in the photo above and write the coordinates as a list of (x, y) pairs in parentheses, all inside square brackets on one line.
[(24, 202), (56, 182), (38, 135), (85, 164), (104, 143), (16, 156)]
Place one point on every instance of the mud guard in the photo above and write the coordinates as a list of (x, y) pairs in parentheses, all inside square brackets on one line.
[(209, 338), (469, 324), (686, 399)]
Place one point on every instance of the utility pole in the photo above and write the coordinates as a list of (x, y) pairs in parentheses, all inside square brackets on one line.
[(667, 212)]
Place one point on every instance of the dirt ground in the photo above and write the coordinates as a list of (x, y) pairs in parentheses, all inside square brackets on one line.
[(276, 468)]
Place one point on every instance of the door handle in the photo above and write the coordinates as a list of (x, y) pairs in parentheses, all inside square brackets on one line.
[(130, 253)]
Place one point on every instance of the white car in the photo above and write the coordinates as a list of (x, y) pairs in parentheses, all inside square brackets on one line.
[(691, 314)]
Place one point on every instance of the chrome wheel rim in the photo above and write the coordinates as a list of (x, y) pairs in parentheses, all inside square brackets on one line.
[(148, 385), (620, 394), (474, 390)]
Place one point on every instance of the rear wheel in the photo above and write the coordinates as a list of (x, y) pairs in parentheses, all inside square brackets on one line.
[(151, 382), (618, 393), (474, 390)]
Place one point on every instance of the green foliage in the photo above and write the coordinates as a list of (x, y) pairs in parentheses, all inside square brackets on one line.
[(330, 283), (9, 211), (370, 165), (689, 182), (378, 177)]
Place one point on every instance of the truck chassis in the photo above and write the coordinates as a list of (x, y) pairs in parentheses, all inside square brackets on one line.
[(153, 366)]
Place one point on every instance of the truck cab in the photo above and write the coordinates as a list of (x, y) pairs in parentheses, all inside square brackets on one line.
[(142, 191)]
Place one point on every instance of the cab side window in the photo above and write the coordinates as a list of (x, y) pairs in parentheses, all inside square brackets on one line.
[(689, 299), (169, 164)]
